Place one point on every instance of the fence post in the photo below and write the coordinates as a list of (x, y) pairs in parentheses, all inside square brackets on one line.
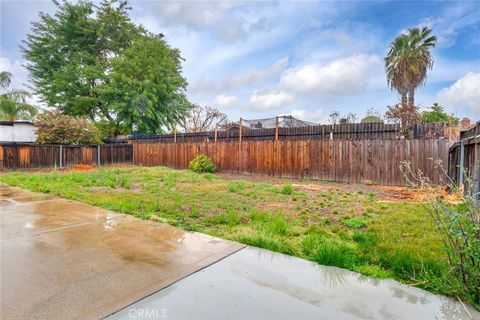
[(460, 165), (276, 128), (174, 135), (61, 156), (98, 155), (476, 171), (240, 132), (215, 134), (133, 154)]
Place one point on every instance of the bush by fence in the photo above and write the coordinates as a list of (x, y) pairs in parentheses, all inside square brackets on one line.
[(24, 156), (354, 131), (376, 161)]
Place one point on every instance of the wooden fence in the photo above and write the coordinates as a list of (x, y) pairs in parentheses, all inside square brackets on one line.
[(375, 161), (353, 131), (24, 156), (464, 160)]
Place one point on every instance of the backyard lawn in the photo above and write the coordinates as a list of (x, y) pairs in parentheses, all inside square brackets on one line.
[(377, 231)]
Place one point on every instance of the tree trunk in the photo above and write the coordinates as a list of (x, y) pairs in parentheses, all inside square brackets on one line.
[(411, 101), (411, 107), (404, 113)]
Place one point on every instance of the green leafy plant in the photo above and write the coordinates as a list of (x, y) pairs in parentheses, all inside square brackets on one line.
[(354, 223), (202, 164)]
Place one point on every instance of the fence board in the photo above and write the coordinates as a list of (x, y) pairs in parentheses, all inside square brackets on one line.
[(376, 161)]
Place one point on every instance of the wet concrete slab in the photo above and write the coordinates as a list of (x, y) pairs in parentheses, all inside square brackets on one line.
[(62, 259), (259, 284)]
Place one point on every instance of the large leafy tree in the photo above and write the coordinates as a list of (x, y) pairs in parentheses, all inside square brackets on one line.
[(406, 66), (13, 103), (77, 61), (145, 86)]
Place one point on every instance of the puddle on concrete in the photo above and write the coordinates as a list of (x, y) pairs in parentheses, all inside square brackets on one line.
[(258, 284)]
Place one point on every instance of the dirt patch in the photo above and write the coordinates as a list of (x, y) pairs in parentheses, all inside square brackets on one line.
[(82, 167)]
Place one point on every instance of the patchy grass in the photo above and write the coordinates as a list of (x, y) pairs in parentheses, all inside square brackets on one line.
[(331, 224)]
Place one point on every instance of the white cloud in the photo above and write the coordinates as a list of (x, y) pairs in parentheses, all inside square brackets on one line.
[(317, 115), (447, 25), (225, 101), (270, 99), (253, 76), (343, 76), (19, 73), (464, 93), (241, 80)]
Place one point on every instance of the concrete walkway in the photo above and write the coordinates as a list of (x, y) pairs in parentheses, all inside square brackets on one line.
[(62, 259), (259, 284)]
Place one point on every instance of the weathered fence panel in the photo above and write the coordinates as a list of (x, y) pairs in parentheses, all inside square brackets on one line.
[(375, 161), (352, 131), (25, 156), (464, 160)]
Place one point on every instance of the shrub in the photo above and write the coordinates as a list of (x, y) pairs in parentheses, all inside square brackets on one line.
[(54, 127), (459, 225), (201, 164)]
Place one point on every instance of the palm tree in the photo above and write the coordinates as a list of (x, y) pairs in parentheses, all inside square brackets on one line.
[(13, 103), (406, 66)]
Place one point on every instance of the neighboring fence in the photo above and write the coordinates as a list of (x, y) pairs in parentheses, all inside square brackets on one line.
[(375, 161), (464, 160), (24, 156), (354, 131)]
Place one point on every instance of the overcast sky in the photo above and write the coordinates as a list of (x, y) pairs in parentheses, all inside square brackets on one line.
[(261, 59)]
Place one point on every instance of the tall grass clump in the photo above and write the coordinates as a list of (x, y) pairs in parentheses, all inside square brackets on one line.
[(339, 254), (287, 188)]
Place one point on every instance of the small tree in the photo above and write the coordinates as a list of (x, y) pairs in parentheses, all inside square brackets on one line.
[(437, 114), (372, 116), (57, 128), (203, 118), (334, 117), (399, 114)]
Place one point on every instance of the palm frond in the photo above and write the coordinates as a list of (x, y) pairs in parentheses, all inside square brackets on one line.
[(5, 79)]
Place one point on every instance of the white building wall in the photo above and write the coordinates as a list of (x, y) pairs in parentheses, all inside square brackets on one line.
[(6, 133), (19, 132)]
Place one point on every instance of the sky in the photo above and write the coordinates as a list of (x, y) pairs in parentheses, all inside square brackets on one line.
[(266, 58)]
